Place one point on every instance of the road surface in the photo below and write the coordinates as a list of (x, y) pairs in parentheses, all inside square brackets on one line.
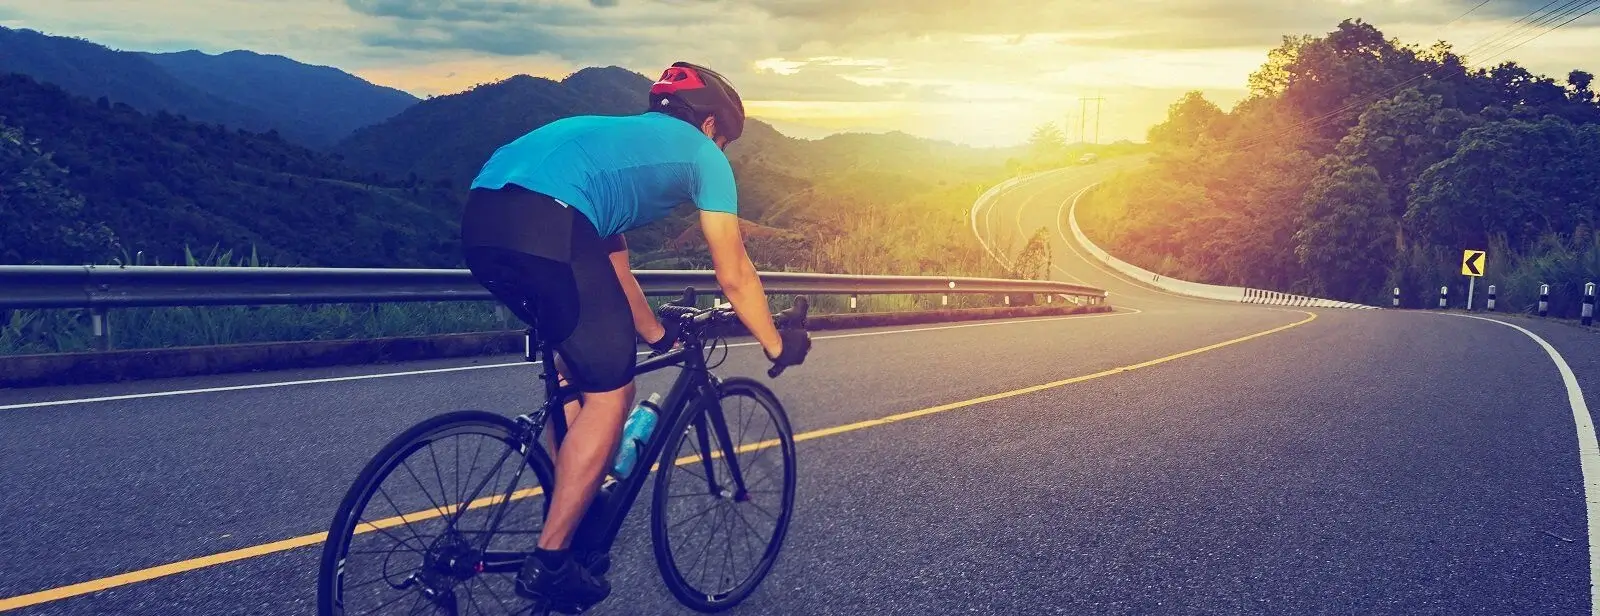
[(1179, 456)]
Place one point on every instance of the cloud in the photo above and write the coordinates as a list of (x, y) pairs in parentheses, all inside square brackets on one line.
[(845, 63), (1165, 24), (584, 31)]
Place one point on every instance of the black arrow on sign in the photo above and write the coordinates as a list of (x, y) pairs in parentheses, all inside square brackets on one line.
[(1472, 263)]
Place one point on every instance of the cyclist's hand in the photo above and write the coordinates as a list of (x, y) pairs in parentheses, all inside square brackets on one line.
[(669, 337), (792, 332), (796, 345)]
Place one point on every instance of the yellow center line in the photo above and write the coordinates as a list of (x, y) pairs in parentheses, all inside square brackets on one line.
[(144, 575)]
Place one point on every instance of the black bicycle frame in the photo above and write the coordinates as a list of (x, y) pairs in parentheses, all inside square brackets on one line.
[(694, 386)]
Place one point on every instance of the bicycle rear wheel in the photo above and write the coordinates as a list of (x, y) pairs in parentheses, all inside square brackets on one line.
[(749, 486), (453, 501)]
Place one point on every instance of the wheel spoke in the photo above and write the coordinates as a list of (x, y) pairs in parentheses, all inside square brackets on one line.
[(697, 573), (463, 488)]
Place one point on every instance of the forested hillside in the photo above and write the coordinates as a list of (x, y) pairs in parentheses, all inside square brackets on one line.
[(160, 183), (1358, 164)]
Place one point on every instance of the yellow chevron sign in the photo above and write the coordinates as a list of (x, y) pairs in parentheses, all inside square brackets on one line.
[(1472, 262)]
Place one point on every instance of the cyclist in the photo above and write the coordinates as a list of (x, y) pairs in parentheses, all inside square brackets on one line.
[(543, 232)]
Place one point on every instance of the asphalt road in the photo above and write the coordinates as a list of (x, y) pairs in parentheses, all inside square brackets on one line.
[(1244, 460)]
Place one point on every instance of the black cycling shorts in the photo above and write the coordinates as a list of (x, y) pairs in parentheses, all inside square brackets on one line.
[(550, 267)]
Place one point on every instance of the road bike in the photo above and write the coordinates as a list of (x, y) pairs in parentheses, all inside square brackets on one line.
[(460, 542)]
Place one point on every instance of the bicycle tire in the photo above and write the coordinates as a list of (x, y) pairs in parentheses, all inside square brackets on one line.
[(673, 578), (388, 458)]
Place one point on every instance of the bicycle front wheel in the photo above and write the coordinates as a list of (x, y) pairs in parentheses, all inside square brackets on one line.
[(724, 495)]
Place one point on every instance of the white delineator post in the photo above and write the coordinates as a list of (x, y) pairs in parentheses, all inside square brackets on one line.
[(1588, 303)]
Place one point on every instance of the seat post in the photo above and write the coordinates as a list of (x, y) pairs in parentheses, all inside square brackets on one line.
[(535, 350)]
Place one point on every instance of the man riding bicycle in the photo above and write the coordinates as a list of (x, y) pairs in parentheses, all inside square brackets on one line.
[(542, 231)]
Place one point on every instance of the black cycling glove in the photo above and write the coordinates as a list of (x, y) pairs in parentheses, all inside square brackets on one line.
[(668, 339), (796, 345)]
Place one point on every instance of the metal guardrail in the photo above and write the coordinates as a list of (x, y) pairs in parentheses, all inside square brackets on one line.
[(101, 288), (144, 286)]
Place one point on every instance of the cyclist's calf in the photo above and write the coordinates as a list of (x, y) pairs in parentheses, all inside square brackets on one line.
[(591, 441)]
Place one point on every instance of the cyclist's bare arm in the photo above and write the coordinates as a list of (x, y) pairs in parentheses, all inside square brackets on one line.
[(644, 320), (738, 279)]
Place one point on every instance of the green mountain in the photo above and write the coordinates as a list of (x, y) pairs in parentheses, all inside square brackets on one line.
[(91, 70), (817, 188), (327, 104), (311, 105), (160, 183), (450, 136)]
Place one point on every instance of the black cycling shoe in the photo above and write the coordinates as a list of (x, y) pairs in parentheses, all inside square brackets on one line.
[(598, 563), (569, 588)]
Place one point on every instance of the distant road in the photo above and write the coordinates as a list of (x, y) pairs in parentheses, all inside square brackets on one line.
[(1178, 456)]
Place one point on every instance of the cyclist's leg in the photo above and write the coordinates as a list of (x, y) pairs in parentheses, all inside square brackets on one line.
[(590, 327), (599, 357), (498, 224)]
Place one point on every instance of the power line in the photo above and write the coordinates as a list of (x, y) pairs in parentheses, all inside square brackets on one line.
[(1592, 7), (1464, 15), (1319, 120), (1550, 17), (1518, 29)]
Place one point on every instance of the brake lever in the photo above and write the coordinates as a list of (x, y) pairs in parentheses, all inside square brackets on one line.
[(793, 317)]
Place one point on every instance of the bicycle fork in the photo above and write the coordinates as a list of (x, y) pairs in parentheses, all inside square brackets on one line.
[(719, 423)]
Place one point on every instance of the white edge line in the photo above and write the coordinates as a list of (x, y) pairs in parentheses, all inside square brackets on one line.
[(1588, 455), (1106, 269), (1023, 207), (358, 377)]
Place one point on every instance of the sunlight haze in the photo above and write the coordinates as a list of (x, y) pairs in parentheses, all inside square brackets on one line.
[(977, 73)]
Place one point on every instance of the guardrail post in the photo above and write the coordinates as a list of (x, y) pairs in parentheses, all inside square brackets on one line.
[(1444, 297), (1544, 300), (100, 319), (852, 302), (500, 314), (1588, 303), (1397, 297), (1490, 305), (944, 300), (1050, 299), (1008, 300)]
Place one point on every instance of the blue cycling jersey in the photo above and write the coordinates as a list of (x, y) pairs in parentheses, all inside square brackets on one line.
[(622, 172)]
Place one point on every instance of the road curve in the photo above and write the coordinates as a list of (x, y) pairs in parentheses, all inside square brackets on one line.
[(1178, 457)]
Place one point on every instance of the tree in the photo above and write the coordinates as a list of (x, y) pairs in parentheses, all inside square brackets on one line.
[(1578, 87), (1487, 186), (1187, 121), (1033, 262), (41, 220), (1273, 77), (1399, 138), (1046, 143), (1346, 242)]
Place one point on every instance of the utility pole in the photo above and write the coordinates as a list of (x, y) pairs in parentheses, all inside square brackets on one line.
[(1083, 116), (1084, 106)]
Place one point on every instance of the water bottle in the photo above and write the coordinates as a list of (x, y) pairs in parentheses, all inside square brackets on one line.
[(635, 433)]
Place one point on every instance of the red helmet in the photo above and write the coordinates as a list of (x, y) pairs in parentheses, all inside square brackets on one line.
[(703, 91)]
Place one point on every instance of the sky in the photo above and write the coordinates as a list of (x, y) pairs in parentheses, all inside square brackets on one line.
[(984, 73)]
